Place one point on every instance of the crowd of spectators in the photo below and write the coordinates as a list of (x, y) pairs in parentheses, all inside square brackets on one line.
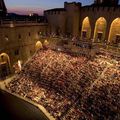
[(70, 87), (102, 98)]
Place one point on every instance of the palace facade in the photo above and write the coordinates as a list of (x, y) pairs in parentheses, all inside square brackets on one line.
[(19, 35), (99, 22)]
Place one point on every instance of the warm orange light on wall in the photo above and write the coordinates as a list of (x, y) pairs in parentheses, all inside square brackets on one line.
[(114, 30), (86, 27), (38, 45), (100, 27), (7, 59)]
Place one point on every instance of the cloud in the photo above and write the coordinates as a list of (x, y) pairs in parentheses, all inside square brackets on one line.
[(24, 10)]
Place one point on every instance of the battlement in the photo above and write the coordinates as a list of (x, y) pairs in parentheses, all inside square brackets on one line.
[(12, 24), (9, 21), (72, 5), (55, 11), (101, 8)]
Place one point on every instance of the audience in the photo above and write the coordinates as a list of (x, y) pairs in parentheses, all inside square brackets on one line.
[(71, 87)]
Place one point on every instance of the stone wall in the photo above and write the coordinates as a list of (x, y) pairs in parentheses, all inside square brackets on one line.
[(18, 41)]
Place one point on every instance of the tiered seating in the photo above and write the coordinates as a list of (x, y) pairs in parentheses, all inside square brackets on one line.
[(66, 85)]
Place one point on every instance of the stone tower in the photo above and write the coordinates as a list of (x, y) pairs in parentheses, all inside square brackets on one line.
[(106, 2), (3, 9)]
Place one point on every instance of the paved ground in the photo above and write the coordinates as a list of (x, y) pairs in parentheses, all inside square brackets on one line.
[(5, 82)]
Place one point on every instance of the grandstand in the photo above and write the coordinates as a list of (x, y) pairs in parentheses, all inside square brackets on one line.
[(71, 87)]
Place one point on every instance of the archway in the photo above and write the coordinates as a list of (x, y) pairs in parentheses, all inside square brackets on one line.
[(45, 44), (114, 35), (5, 66), (86, 29), (100, 29), (38, 45)]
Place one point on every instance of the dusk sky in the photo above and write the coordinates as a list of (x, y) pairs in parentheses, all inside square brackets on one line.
[(37, 6)]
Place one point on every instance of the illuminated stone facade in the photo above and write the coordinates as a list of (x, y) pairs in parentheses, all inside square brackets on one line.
[(96, 23), (18, 40)]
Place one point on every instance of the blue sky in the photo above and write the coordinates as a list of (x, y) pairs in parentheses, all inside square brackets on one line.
[(28, 6)]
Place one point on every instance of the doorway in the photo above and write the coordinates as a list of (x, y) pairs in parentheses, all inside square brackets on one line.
[(4, 70), (4, 66), (99, 36), (117, 41)]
